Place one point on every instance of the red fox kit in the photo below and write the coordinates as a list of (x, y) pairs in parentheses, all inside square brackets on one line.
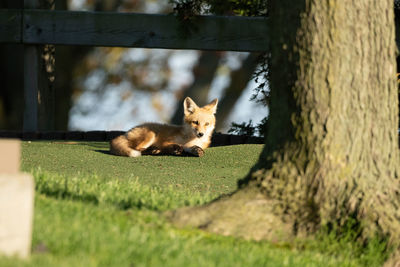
[(153, 138)]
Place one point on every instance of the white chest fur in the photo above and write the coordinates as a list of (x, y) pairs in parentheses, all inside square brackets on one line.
[(200, 142)]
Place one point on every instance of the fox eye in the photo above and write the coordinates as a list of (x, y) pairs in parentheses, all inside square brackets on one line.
[(195, 122), (207, 123)]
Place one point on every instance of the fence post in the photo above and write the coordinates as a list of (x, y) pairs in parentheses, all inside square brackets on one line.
[(39, 94), (30, 81)]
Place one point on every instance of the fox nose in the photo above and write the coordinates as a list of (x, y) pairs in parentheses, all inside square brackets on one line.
[(200, 134)]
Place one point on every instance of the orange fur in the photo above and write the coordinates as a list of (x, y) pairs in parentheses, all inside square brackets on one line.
[(154, 138)]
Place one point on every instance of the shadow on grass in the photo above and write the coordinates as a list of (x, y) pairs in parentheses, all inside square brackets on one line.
[(101, 145), (122, 204), (62, 194), (107, 152)]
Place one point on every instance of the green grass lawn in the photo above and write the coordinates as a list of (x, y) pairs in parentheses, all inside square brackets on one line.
[(94, 209), (215, 173)]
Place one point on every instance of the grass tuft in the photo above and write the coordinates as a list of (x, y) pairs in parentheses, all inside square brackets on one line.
[(122, 193)]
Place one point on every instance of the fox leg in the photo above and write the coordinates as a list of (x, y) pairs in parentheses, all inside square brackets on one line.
[(195, 151), (144, 144), (172, 149), (151, 150)]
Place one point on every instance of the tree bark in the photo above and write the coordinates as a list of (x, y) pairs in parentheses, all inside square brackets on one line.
[(331, 151)]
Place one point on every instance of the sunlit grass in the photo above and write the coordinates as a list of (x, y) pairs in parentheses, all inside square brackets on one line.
[(90, 214)]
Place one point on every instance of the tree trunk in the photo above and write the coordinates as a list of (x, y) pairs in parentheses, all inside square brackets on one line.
[(331, 150)]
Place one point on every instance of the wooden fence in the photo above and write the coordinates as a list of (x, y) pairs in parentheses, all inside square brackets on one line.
[(33, 27)]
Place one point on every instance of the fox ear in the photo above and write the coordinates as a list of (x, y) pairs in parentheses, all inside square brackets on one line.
[(189, 106), (212, 106)]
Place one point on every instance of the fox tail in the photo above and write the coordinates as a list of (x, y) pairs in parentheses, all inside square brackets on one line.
[(120, 146)]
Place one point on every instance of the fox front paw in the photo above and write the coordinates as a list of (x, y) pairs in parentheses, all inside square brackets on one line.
[(196, 151), (175, 149), (151, 150)]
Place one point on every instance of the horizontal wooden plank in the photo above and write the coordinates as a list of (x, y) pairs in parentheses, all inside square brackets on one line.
[(144, 30), (137, 30), (10, 26)]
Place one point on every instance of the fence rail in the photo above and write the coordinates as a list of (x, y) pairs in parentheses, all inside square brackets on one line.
[(29, 26)]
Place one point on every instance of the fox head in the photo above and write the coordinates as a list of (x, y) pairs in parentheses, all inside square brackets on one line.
[(201, 120)]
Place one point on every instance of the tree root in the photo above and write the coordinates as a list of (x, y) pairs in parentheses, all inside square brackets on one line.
[(394, 260), (246, 214)]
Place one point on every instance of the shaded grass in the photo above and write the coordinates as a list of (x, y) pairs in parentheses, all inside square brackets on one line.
[(90, 213)]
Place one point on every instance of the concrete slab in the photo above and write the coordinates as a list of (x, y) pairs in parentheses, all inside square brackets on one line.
[(16, 214), (10, 153)]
